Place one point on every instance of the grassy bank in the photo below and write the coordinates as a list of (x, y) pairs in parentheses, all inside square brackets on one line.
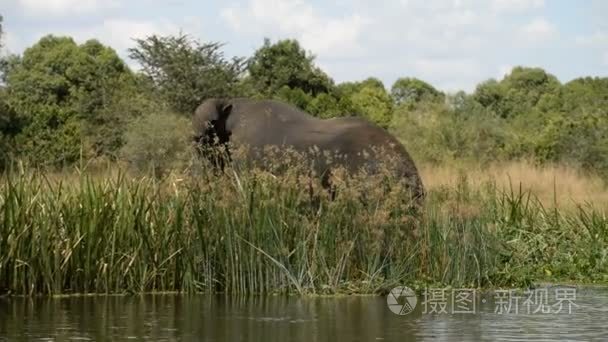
[(255, 233)]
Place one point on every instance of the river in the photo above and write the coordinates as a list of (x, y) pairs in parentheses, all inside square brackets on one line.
[(294, 318)]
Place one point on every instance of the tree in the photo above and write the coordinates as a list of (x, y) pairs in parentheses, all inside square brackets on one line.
[(410, 91), (347, 89), (286, 64), (295, 96), (326, 106), (589, 94), (522, 92), (9, 128), (373, 103), (56, 89), (366, 98), (184, 72)]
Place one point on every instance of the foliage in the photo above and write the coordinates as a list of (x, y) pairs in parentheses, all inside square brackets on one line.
[(184, 72), (56, 89), (435, 133), (526, 115), (9, 127), (105, 130), (64, 101), (409, 91), (157, 143), (286, 64), (370, 99), (522, 91)]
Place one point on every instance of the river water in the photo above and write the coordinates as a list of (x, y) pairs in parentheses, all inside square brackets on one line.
[(292, 318)]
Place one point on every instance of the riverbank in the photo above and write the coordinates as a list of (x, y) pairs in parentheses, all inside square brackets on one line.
[(252, 233)]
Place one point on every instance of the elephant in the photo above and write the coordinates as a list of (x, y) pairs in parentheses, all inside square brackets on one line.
[(257, 124)]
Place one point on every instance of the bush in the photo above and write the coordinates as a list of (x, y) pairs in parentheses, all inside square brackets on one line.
[(157, 143)]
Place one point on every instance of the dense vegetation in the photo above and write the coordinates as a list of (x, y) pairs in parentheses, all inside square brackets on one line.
[(63, 102), (163, 226), (249, 232)]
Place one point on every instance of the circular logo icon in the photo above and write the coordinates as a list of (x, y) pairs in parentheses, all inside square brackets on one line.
[(402, 300)]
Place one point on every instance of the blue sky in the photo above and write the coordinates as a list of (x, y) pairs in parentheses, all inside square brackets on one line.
[(453, 44)]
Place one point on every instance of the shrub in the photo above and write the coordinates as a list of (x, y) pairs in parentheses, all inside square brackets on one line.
[(157, 142)]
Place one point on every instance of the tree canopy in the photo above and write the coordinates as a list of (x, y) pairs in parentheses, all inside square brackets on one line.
[(184, 71), (62, 101), (286, 64), (55, 88), (409, 91)]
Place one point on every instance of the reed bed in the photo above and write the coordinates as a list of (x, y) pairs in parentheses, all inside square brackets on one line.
[(252, 232)]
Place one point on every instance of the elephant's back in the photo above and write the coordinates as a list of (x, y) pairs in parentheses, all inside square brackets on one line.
[(271, 110), (370, 146)]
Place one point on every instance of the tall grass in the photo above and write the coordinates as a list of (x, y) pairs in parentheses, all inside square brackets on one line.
[(252, 232), (557, 184)]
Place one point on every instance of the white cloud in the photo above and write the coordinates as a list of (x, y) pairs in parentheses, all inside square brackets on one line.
[(120, 33), (10, 42), (538, 30), (516, 5), (327, 35), (65, 7), (598, 38), (436, 5), (605, 58), (446, 66), (449, 74)]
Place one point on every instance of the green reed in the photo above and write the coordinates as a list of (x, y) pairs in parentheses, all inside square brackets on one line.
[(252, 232)]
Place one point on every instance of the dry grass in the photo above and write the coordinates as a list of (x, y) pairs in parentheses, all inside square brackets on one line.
[(551, 184)]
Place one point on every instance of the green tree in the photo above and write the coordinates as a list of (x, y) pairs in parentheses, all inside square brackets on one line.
[(9, 128), (326, 106), (347, 89), (581, 140), (373, 103), (286, 64), (55, 90), (523, 91), (296, 97), (410, 91), (589, 94), (184, 72), (105, 129), (367, 98)]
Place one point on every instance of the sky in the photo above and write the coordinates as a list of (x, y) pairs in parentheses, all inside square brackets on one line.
[(452, 44)]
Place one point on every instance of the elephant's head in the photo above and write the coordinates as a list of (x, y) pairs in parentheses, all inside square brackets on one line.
[(210, 130)]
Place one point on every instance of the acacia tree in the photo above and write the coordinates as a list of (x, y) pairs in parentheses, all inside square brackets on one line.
[(184, 71)]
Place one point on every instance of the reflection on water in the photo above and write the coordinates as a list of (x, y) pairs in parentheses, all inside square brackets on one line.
[(221, 318)]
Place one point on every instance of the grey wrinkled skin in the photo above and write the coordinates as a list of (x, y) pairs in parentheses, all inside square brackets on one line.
[(261, 123)]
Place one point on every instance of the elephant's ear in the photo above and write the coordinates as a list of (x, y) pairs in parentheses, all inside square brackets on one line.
[(225, 110)]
